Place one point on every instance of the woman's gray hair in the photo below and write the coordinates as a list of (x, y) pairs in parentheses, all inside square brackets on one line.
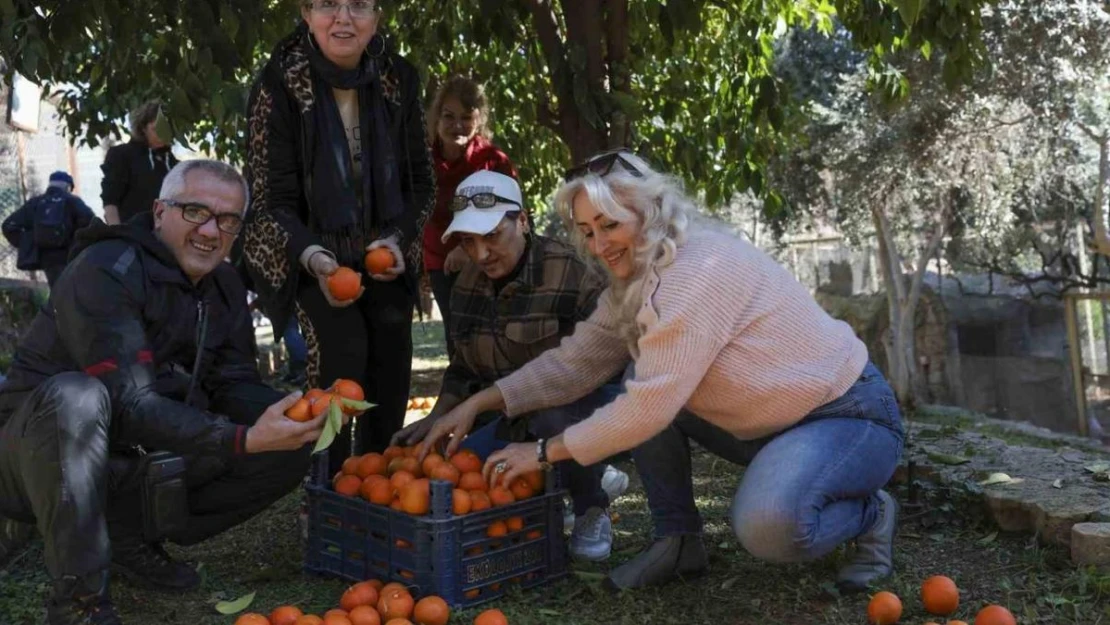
[(657, 202), (174, 182), (141, 117)]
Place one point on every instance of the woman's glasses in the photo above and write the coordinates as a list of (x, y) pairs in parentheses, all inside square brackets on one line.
[(602, 164), (357, 8), (480, 200)]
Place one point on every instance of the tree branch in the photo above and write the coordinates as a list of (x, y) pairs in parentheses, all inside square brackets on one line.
[(620, 81), (547, 31)]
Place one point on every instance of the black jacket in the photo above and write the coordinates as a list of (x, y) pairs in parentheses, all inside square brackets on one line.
[(133, 174), (123, 311), (18, 229), (281, 136)]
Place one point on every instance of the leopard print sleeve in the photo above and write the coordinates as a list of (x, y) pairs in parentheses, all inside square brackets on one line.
[(417, 175)]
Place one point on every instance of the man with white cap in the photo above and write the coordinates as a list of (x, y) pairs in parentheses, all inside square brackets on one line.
[(518, 297)]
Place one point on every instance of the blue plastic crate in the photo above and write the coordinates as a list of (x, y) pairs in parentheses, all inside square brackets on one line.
[(439, 554)]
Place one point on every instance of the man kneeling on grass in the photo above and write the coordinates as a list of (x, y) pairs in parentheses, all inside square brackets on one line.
[(117, 429), (520, 295)]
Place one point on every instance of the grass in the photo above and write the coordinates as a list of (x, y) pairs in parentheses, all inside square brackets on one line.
[(264, 556)]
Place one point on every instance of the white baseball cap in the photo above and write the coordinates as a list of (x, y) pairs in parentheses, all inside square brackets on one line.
[(489, 196)]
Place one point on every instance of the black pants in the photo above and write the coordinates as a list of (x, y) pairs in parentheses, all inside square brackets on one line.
[(442, 283), (56, 471), (52, 272), (370, 342)]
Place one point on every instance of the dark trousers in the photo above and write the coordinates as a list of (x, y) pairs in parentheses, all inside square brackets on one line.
[(56, 471), (369, 342), (442, 283), (52, 272)]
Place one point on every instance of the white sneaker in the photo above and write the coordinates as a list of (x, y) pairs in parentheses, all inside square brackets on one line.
[(614, 482), (592, 536)]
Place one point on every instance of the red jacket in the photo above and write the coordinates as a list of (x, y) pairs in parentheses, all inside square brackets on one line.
[(480, 154)]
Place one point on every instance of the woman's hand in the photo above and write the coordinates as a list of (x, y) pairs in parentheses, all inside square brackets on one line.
[(398, 267), (455, 261), (322, 266), (414, 432), (457, 423), (506, 465)]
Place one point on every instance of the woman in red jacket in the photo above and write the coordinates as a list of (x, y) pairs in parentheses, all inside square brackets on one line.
[(459, 138)]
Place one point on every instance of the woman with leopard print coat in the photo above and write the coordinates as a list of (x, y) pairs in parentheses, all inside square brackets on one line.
[(338, 165)]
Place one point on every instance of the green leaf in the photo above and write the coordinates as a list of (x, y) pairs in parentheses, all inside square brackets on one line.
[(360, 406), (948, 459), (235, 606), (989, 538), (909, 10), (332, 424)]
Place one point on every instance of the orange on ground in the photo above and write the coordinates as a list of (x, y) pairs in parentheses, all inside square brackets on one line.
[(378, 260), (344, 284), (371, 464), (497, 528), (395, 603), (309, 619), (252, 618), (431, 610), (361, 593), (479, 500), (514, 523), (460, 501), (491, 617), (348, 485), (393, 451), (377, 489), (415, 498), (535, 480), (446, 472), (365, 615), (939, 595), (400, 478), (500, 496), (466, 461), (995, 615), (285, 615), (521, 489), (301, 410), (885, 608), (321, 404), (473, 481)]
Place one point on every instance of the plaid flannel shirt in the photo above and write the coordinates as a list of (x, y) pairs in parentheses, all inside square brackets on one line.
[(497, 334)]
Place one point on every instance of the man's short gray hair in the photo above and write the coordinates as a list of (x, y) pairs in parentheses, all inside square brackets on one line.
[(174, 182)]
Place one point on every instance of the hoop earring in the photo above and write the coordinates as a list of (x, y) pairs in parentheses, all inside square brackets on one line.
[(380, 45)]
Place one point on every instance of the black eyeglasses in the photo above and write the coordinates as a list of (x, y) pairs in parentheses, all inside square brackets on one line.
[(357, 8), (199, 214), (602, 164), (480, 200)]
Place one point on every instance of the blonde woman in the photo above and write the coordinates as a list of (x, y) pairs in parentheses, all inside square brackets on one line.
[(727, 349)]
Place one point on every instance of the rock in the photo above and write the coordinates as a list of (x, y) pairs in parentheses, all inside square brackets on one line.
[(1090, 544), (1101, 516)]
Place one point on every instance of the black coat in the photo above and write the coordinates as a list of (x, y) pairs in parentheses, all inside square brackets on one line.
[(281, 138), (124, 312), (133, 174), (18, 229)]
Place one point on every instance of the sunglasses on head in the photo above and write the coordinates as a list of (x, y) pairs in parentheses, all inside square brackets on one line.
[(480, 200), (602, 164)]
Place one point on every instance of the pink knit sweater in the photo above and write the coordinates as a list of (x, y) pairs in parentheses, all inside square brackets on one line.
[(726, 333)]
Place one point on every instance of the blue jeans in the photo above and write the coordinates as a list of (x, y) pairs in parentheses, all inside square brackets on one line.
[(806, 489), (583, 483), (295, 345)]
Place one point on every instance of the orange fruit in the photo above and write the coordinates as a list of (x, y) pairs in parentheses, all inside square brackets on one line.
[(939, 595), (376, 583), (344, 284), (496, 529), (300, 411), (335, 612), (514, 523), (535, 480), (956, 623), (334, 618), (348, 389), (401, 478), (393, 451), (473, 480), (391, 586), (460, 501), (309, 619), (348, 485), (995, 615), (376, 489), (398, 621), (427, 403), (321, 404), (404, 464), (371, 464), (350, 465), (401, 543), (521, 489), (467, 461), (430, 462), (395, 603), (533, 535), (470, 594), (415, 498), (285, 615), (431, 610), (500, 496), (491, 617), (479, 500), (364, 615), (378, 260), (361, 593), (885, 608), (396, 504), (252, 618), (446, 472)]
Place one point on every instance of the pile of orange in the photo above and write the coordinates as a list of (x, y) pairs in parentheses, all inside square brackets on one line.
[(939, 596), (366, 603), (421, 403), (315, 401)]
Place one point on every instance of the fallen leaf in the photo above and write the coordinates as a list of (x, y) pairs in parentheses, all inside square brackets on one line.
[(1098, 467), (589, 576), (1058, 483), (236, 605), (948, 459), (988, 539), (549, 612), (728, 583), (996, 478)]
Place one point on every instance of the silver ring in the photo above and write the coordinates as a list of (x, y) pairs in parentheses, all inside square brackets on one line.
[(501, 467)]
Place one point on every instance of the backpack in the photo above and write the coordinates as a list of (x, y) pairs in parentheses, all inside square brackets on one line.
[(50, 223)]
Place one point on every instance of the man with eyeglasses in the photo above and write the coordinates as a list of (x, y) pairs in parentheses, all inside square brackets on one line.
[(133, 412)]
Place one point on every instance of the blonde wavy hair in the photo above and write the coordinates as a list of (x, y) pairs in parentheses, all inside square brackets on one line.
[(656, 202)]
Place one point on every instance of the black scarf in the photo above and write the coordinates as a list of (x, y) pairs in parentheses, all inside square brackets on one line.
[(344, 225)]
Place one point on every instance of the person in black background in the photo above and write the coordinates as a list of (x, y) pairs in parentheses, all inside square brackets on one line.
[(133, 172), (42, 230)]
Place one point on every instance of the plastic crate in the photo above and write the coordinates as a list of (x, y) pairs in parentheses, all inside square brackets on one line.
[(440, 553)]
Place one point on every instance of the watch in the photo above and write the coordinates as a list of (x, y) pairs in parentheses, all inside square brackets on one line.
[(541, 454)]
